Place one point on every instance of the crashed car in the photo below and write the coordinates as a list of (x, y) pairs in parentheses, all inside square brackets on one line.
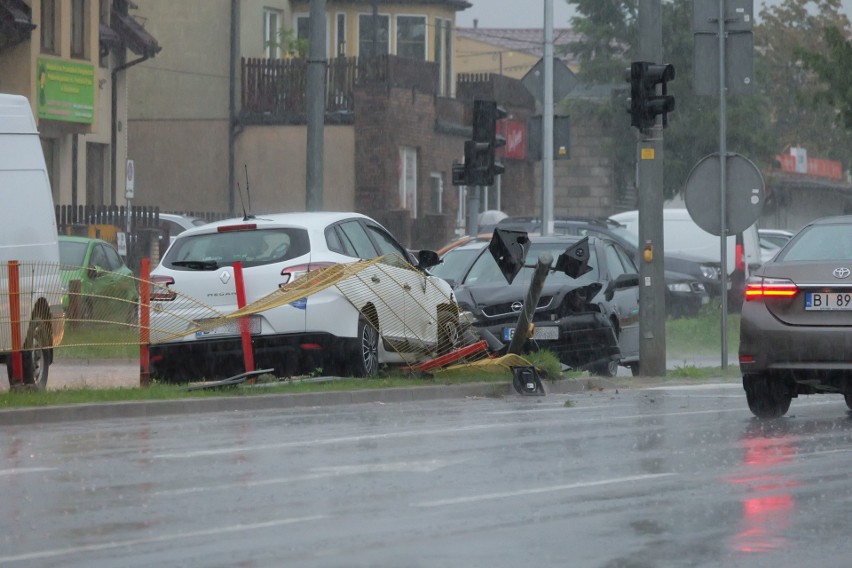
[(590, 323)]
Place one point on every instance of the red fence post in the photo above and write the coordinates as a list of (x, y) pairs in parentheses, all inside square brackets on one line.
[(145, 323), (245, 329), (15, 316)]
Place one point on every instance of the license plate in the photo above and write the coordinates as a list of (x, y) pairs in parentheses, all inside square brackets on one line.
[(819, 301), (230, 327), (543, 333)]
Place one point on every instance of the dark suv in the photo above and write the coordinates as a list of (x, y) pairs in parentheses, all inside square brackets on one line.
[(689, 281)]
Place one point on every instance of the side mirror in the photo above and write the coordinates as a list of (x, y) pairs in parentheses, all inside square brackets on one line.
[(509, 249), (622, 281), (427, 259)]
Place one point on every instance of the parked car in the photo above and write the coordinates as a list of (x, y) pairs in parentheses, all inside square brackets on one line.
[(108, 290), (771, 241), (795, 329), (689, 280), (402, 313), (173, 224), (682, 236), (591, 322)]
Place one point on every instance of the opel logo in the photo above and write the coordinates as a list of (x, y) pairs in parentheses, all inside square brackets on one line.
[(225, 276), (841, 272), (516, 306)]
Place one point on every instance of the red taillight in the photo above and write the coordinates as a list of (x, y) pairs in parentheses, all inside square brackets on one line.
[(746, 359), (292, 272), (739, 255), (244, 227), (758, 287), (160, 289)]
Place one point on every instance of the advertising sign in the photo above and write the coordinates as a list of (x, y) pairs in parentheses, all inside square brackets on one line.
[(66, 90)]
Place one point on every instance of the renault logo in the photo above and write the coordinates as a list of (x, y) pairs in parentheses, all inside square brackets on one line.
[(841, 272), (516, 306), (225, 276)]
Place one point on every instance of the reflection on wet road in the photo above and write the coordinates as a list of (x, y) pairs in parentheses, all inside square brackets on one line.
[(636, 478)]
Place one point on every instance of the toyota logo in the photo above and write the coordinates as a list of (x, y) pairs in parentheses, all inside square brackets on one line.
[(841, 272), (516, 306)]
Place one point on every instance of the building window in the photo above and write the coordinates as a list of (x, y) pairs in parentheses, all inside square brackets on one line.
[(373, 35), (48, 26), (411, 37), (340, 38), (408, 179), (303, 27), (78, 28), (436, 195), (271, 39)]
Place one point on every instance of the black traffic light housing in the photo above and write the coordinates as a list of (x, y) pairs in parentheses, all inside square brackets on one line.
[(645, 103), (509, 249), (480, 153), (574, 262)]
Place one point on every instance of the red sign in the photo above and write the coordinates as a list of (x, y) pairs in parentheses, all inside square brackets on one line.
[(816, 167), (515, 133)]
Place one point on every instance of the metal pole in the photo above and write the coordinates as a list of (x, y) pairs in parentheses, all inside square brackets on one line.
[(316, 106), (522, 329), (723, 150), (652, 299), (547, 125), (473, 209)]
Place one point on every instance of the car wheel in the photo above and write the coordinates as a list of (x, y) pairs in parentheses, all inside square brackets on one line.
[(365, 360), (607, 369), (634, 369), (766, 399), (448, 333), (35, 356)]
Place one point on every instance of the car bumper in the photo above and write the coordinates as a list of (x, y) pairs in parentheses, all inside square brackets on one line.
[(583, 339), (799, 352)]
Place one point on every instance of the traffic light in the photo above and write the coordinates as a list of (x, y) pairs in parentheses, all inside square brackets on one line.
[(485, 142), (645, 103)]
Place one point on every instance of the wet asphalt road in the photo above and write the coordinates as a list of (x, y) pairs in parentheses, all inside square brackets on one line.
[(676, 476)]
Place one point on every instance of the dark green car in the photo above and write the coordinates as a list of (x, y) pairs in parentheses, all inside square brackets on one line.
[(108, 290)]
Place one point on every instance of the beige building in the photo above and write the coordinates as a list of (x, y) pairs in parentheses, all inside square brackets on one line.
[(69, 58), (193, 147)]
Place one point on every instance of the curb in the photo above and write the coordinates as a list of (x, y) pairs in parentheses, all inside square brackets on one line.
[(148, 409)]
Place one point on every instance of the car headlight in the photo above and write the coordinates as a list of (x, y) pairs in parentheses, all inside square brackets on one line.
[(709, 272), (679, 287)]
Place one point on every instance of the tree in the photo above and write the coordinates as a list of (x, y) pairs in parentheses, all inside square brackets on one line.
[(803, 70), (289, 44)]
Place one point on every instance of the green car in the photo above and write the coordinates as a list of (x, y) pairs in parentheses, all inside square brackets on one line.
[(108, 290)]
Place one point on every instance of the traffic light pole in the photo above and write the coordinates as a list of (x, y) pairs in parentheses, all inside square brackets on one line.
[(652, 300), (473, 192)]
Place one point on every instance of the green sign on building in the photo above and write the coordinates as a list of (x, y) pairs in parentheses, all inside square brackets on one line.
[(66, 90)]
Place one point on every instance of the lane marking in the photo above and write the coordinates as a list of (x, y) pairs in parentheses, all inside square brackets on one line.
[(538, 490), (320, 473), (23, 470), (157, 539)]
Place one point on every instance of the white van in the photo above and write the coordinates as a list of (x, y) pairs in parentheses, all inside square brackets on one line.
[(28, 235), (682, 236)]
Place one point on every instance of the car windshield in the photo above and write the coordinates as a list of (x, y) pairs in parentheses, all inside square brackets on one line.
[(486, 272), (72, 253), (454, 263), (251, 247), (820, 242)]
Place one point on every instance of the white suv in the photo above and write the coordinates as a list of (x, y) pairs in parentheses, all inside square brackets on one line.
[(415, 313)]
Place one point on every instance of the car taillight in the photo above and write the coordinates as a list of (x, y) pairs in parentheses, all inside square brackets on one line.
[(292, 272), (758, 287), (739, 255), (160, 289)]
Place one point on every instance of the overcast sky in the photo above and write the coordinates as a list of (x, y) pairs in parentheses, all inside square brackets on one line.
[(530, 13)]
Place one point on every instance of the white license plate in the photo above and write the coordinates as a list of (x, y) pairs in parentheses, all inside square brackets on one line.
[(543, 333), (230, 327), (819, 301)]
